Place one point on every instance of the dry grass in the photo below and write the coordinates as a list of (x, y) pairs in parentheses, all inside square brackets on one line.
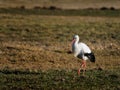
[(22, 56), (66, 4), (43, 43)]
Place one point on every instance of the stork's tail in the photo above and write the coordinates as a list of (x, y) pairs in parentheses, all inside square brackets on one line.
[(91, 56)]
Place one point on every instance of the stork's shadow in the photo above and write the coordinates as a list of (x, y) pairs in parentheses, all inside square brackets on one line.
[(59, 51)]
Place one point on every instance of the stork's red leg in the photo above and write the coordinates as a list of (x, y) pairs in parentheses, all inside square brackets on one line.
[(79, 71), (83, 66)]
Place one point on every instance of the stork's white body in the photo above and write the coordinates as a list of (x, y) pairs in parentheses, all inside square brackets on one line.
[(80, 49)]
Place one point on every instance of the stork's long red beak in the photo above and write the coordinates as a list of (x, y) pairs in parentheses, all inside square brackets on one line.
[(72, 41)]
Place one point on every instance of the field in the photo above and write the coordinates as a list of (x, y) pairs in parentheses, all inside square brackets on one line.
[(35, 46), (64, 4)]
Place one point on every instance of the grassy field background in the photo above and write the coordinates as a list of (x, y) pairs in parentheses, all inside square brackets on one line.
[(34, 46), (64, 4)]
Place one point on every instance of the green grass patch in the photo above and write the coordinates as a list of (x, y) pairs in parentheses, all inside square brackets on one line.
[(62, 79), (57, 12), (60, 33)]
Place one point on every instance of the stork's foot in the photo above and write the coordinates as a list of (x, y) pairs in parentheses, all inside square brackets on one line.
[(79, 71)]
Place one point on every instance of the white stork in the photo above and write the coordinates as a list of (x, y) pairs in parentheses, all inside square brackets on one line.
[(82, 51)]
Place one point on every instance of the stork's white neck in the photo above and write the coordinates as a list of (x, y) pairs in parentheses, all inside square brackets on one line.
[(77, 40)]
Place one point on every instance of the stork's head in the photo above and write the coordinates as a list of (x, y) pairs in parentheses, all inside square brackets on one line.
[(75, 39)]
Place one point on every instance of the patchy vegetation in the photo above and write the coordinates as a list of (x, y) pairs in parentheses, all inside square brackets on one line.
[(54, 79), (34, 49), (54, 11)]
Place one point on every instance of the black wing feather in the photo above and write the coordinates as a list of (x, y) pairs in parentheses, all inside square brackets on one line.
[(91, 56)]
